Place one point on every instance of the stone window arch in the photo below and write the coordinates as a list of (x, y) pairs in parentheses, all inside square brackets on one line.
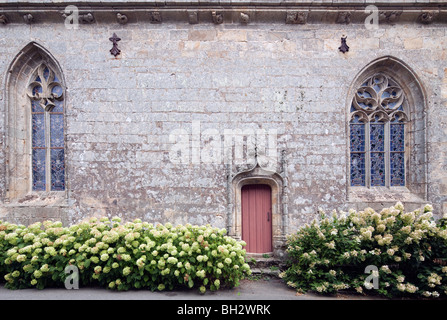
[(34, 136), (386, 134)]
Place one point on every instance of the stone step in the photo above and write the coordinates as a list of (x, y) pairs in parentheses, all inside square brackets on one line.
[(266, 272), (265, 266)]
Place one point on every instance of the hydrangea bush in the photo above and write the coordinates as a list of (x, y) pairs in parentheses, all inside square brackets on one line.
[(404, 252), (121, 256)]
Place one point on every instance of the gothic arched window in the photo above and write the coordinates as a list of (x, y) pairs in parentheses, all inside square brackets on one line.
[(47, 129), (377, 133)]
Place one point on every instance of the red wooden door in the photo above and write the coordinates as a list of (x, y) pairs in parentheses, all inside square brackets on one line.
[(257, 218)]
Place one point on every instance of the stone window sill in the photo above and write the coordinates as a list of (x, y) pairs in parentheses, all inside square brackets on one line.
[(40, 199), (384, 194)]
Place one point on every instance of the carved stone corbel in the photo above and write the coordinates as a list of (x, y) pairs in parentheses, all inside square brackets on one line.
[(121, 18), (86, 18), (344, 17), (217, 17), (427, 17), (155, 17), (3, 19), (244, 18), (193, 17), (296, 17), (28, 18), (390, 16)]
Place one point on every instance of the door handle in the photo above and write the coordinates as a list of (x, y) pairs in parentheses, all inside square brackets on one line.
[(268, 215)]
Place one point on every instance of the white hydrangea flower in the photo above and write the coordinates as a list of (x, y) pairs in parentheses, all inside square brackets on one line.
[(104, 257)]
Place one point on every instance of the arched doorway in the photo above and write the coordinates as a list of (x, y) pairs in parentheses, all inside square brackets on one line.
[(272, 185)]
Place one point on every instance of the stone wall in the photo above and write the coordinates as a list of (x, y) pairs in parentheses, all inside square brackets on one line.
[(175, 80)]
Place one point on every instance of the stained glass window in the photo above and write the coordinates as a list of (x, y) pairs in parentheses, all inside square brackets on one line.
[(397, 154), (357, 154), (48, 164), (377, 134), (377, 142)]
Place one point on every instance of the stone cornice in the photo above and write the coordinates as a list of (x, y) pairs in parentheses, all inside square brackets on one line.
[(224, 11)]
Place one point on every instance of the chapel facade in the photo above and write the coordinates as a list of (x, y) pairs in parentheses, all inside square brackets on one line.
[(246, 115)]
